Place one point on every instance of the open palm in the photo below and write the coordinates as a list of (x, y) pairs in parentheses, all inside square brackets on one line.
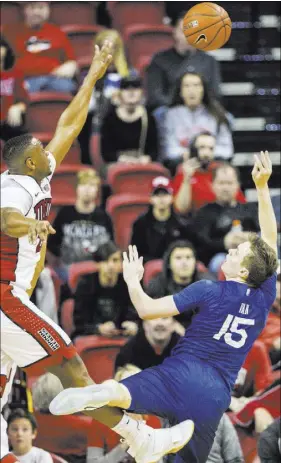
[(102, 58), (132, 265)]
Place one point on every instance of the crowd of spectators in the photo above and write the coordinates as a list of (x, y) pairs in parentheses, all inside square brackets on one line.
[(195, 214)]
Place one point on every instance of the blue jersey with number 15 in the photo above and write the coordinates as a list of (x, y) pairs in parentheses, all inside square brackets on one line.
[(229, 318)]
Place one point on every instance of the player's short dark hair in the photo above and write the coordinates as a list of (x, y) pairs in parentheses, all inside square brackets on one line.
[(225, 166), (104, 252), (21, 413), (15, 147), (261, 263)]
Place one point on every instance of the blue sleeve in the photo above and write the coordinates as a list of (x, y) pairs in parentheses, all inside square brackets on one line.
[(194, 295), (268, 288)]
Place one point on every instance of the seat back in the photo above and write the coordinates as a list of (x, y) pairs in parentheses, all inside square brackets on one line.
[(124, 210), (132, 178), (44, 110), (73, 12), (127, 13), (151, 269), (82, 38), (77, 270), (146, 40), (99, 355), (67, 310)]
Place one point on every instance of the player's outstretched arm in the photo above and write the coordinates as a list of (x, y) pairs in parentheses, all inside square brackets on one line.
[(261, 173), (16, 225), (73, 118), (146, 307)]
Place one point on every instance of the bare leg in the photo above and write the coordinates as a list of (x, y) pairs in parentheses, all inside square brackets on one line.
[(73, 373)]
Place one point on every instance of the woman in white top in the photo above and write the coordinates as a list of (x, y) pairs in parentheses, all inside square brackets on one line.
[(192, 111), (22, 430)]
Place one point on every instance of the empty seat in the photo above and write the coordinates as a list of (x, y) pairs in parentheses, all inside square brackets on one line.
[(73, 12), (124, 14), (10, 13), (77, 270), (126, 178), (82, 38), (45, 109), (99, 355), (74, 154), (66, 316), (146, 40), (124, 209)]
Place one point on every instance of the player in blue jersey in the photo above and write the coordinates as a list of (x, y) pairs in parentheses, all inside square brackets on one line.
[(195, 382)]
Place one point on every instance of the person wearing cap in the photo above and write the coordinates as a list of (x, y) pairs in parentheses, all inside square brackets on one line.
[(128, 131), (155, 230), (81, 228)]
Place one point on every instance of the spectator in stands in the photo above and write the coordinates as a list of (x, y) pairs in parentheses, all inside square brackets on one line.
[(151, 345), (193, 181), (104, 444), (170, 65), (45, 55), (179, 270), (22, 430), (13, 94), (105, 91), (226, 446), (269, 445), (271, 334), (128, 131), (102, 302), (221, 225), (155, 230), (80, 229), (192, 111)]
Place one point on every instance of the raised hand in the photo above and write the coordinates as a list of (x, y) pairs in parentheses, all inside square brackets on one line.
[(102, 58), (132, 265), (262, 169)]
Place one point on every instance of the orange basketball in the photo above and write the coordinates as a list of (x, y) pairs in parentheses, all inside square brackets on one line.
[(207, 26)]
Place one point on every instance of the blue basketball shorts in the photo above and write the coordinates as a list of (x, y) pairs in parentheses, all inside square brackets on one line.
[(180, 389)]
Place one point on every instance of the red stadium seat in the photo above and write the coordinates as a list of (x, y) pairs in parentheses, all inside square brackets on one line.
[(57, 459), (74, 154), (151, 269), (99, 355), (125, 178), (124, 209), (45, 109), (10, 13), (79, 269), (126, 13), (73, 12), (66, 317), (82, 38), (144, 40), (64, 181)]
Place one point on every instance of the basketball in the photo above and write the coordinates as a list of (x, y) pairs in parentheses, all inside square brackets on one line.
[(207, 26)]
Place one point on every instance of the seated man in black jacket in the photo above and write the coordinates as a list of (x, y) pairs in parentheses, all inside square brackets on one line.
[(221, 225), (155, 230), (180, 270), (150, 346), (102, 303)]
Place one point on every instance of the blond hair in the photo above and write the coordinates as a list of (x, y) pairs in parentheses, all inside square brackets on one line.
[(119, 57), (126, 371), (262, 261), (44, 390), (86, 175)]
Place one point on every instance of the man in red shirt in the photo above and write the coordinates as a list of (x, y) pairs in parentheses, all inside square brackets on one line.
[(193, 181), (13, 96), (44, 53)]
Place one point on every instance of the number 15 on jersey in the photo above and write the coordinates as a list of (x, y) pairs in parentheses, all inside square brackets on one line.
[(230, 326)]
